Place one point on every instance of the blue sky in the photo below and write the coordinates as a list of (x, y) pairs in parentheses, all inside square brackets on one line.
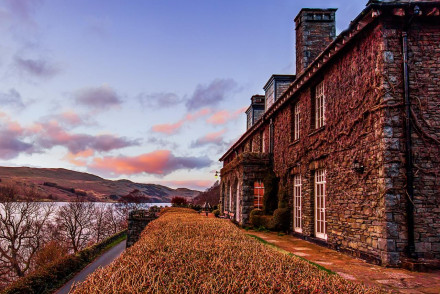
[(153, 91)]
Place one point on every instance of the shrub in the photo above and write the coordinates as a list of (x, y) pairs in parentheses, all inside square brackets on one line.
[(179, 201), (254, 217), (270, 199), (283, 196), (281, 219), (216, 212), (188, 253), (53, 275)]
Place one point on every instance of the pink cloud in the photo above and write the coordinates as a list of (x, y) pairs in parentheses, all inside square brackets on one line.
[(78, 159), (160, 162), (173, 128), (223, 116), (71, 117), (51, 134), (211, 138)]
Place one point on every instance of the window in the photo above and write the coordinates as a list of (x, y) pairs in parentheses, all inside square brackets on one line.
[(320, 193), (319, 106), (296, 121), (263, 138), (258, 194), (270, 96), (297, 210)]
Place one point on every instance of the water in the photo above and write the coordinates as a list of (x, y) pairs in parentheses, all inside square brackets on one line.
[(143, 205)]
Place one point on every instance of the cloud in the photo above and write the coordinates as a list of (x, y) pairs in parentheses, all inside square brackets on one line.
[(22, 8), (160, 162), (159, 100), (223, 116), (98, 97), (212, 94), (68, 119), (78, 159), (12, 139), (12, 98), (173, 128), (36, 67), (211, 138), (51, 134), (162, 143)]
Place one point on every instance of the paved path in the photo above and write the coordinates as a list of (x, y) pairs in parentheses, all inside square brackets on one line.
[(101, 261), (357, 270)]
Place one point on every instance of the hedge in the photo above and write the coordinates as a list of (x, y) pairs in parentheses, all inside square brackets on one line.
[(52, 276)]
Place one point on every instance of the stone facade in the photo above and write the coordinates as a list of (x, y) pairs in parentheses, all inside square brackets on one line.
[(137, 221), (363, 143), (236, 190)]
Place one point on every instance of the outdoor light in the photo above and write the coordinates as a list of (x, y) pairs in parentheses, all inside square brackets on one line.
[(358, 167), (216, 174)]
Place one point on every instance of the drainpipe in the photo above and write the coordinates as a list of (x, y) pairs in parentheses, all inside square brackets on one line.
[(408, 148), (271, 134)]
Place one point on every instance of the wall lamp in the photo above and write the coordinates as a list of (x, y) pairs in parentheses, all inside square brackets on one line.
[(358, 167)]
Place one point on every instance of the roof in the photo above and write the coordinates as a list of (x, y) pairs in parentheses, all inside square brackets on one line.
[(356, 26)]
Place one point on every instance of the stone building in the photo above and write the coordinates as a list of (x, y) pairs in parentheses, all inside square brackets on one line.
[(354, 136)]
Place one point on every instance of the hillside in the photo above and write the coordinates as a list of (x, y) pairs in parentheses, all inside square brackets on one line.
[(58, 184)]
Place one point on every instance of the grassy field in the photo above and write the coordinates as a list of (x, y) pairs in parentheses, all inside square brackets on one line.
[(183, 252)]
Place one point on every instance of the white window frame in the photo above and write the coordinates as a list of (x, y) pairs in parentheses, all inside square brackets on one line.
[(320, 105), (320, 204), (297, 198), (296, 122), (230, 199), (259, 188)]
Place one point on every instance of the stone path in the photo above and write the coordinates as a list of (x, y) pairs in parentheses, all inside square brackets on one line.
[(101, 261), (353, 269)]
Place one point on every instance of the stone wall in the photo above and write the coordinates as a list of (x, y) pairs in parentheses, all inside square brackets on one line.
[(424, 90), (365, 125), (137, 221), (244, 170)]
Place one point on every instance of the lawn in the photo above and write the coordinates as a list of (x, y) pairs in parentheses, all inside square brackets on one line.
[(183, 252)]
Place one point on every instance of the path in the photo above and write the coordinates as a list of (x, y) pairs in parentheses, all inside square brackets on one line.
[(350, 268), (101, 261)]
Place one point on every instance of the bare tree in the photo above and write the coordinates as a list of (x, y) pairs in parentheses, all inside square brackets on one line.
[(117, 221), (22, 230), (75, 222)]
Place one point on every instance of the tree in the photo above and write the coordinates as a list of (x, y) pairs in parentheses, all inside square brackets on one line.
[(179, 201), (132, 201), (22, 230), (211, 195), (75, 223)]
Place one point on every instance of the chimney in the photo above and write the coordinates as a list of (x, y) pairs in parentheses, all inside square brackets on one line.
[(315, 30)]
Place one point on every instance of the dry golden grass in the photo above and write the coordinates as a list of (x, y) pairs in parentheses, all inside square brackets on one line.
[(183, 252)]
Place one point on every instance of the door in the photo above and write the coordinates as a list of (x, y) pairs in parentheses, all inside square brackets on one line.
[(320, 206), (297, 211), (237, 204)]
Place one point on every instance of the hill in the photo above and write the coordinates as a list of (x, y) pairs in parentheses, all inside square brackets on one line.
[(58, 184)]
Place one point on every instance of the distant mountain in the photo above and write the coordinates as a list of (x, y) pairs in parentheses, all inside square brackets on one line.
[(59, 184)]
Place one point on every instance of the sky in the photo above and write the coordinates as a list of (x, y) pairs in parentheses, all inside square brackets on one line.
[(153, 91)]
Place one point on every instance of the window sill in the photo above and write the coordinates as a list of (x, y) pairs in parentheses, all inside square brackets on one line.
[(315, 131), (294, 142)]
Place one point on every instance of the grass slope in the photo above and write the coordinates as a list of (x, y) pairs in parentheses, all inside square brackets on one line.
[(97, 188), (183, 252)]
